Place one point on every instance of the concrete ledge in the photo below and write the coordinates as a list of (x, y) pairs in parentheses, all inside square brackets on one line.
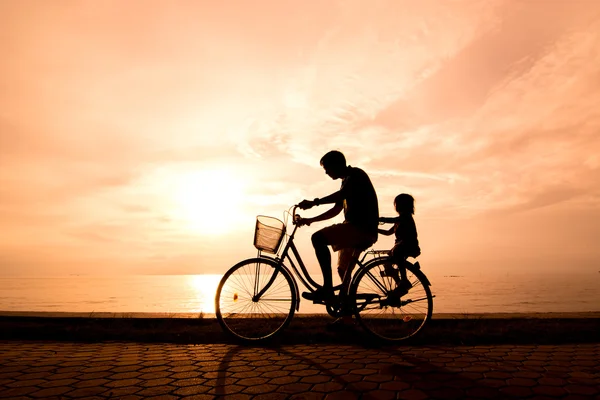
[(473, 329)]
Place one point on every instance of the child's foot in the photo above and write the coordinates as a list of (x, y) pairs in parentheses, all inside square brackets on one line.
[(402, 288)]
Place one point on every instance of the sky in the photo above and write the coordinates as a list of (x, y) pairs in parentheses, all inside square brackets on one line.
[(144, 137)]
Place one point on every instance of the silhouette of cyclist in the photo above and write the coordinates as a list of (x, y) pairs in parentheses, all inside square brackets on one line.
[(358, 199)]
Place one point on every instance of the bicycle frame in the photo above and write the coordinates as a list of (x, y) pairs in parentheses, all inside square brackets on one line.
[(294, 272), (300, 271)]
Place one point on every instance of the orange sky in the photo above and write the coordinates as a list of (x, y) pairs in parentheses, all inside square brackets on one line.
[(118, 120)]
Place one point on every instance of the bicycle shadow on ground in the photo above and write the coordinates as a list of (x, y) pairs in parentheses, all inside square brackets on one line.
[(306, 371)]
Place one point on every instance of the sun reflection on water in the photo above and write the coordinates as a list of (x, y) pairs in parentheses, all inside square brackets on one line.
[(204, 288)]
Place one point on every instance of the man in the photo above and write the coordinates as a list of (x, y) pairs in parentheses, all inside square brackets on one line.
[(358, 199)]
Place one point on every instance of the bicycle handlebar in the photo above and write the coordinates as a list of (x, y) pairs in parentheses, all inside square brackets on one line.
[(295, 216)]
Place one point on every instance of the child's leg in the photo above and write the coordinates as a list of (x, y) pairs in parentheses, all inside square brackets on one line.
[(390, 271), (399, 257), (402, 269)]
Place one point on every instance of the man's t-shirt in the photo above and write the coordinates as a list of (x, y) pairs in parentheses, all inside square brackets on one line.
[(360, 200)]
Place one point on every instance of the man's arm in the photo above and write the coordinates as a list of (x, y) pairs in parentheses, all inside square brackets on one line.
[(335, 198), (337, 208)]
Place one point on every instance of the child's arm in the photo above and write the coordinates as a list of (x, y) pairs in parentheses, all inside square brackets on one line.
[(388, 220), (390, 231), (386, 233)]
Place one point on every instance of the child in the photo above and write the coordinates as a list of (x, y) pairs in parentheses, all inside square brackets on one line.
[(407, 243)]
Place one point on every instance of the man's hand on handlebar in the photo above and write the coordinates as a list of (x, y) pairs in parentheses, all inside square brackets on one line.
[(303, 221), (306, 204)]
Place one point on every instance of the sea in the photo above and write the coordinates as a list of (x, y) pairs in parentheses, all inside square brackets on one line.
[(194, 294)]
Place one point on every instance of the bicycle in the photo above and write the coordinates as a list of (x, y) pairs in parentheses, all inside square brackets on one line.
[(256, 299)]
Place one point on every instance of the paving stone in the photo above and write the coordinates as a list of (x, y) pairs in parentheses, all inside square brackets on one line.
[(318, 379), (349, 378), (122, 391), (308, 396), (27, 382), (226, 390), (95, 375), (125, 375), (412, 394), (551, 381), (378, 378), (192, 390), (273, 374), (364, 386), (394, 385), (270, 396), (328, 387), (292, 388), (264, 388), (284, 380), (154, 375), (382, 395), (128, 368), (58, 382), (551, 391), (583, 389), (16, 392), (342, 395), (185, 368), (521, 382), (87, 392), (209, 397), (296, 372), (155, 391), (483, 392), (516, 391), (50, 392)]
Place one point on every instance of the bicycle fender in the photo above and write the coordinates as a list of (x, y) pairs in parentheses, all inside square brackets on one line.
[(276, 262), (417, 267), (365, 265)]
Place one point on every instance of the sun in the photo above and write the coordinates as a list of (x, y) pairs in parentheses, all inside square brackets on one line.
[(208, 201)]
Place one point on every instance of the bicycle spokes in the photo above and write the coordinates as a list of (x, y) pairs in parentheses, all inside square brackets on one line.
[(255, 299), (390, 307)]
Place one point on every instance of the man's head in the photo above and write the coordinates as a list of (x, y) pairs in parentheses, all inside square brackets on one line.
[(334, 164)]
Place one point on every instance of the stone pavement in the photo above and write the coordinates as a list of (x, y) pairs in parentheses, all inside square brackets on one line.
[(45, 370)]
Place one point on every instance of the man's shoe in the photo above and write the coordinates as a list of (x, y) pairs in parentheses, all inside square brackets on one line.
[(318, 296)]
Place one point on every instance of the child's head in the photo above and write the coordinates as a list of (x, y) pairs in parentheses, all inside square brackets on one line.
[(404, 203)]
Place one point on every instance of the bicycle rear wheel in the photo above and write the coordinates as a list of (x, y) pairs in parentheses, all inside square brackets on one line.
[(381, 311), (255, 300)]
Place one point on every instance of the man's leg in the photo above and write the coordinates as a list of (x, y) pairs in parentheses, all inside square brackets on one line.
[(338, 236), (319, 242), (346, 263)]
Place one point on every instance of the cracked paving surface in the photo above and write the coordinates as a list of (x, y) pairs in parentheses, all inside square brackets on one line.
[(52, 370)]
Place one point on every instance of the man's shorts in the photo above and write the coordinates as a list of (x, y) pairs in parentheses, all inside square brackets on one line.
[(345, 238)]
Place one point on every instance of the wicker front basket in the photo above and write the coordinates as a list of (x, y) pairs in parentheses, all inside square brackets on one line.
[(268, 233)]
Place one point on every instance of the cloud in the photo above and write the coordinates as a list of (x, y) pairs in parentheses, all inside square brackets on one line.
[(474, 107)]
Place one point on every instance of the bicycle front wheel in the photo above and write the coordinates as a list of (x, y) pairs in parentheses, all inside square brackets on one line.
[(255, 300), (385, 312)]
